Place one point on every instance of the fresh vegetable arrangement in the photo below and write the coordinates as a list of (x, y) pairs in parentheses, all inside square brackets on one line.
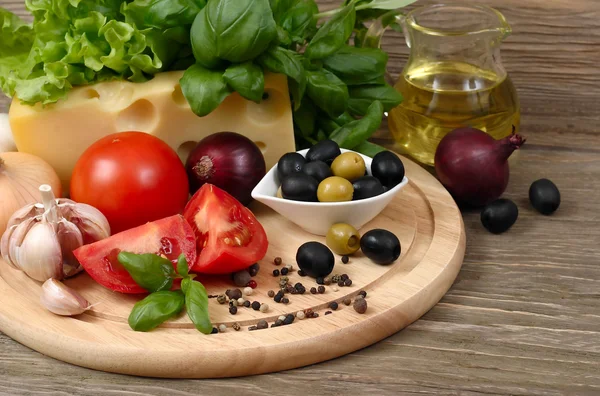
[(224, 46)]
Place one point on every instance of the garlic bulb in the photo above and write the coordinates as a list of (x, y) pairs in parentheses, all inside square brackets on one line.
[(40, 238), (62, 300)]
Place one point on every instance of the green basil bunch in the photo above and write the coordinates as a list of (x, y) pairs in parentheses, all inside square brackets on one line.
[(338, 90), (156, 274)]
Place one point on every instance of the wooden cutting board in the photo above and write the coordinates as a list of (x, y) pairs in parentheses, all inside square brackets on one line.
[(423, 216)]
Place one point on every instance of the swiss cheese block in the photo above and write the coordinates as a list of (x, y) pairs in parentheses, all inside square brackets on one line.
[(61, 132)]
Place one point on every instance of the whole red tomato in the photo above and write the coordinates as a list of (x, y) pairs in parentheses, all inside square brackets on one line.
[(132, 178)]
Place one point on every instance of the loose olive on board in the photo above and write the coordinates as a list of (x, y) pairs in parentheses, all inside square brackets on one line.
[(381, 246), (343, 239), (317, 169), (388, 168), (499, 215), (335, 189), (367, 187), (300, 187), (288, 164), (315, 259), (349, 165), (544, 196), (325, 150)]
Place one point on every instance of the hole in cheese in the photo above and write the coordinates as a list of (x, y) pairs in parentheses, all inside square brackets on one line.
[(262, 146), (269, 110), (178, 97), (91, 94), (140, 116), (185, 149)]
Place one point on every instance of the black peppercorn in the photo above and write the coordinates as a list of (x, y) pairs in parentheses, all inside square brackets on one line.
[(278, 297), (234, 294), (345, 276), (320, 280), (348, 282), (285, 300), (321, 289), (278, 322), (256, 305), (275, 272), (277, 261), (233, 310), (333, 305), (347, 301), (294, 291), (251, 328), (214, 330), (313, 290), (290, 289), (254, 268), (289, 319), (341, 283), (284, 271), (363, 293), (271, 293), (345, 259), (327, 312), (247, 303), (262, 324)]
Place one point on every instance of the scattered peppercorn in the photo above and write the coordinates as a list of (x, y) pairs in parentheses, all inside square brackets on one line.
[(300, 315), (236, 326), (289, 319), (340, 283), (233, 310), (214, 330), (285, 300), (255, 305), (301, 273), (348, 282), (248, 291), (264, 308), (345, 259), (278, 322), (213, 296), (308, 313), (289, 267), (335, 278), (262, 324), (327, 312), (321, 289), (313, 290), (362, 293), (278, 296), (320, 280), (233, 294), (247, 303), (358, 296), (347, 301), (293, 291), (284, 271), (240, 302), (222, 299), (254, 268), (232, 302), (222, 328), (290, 289), (360, 305), (241, 278), (281, 317), (277, 261), (252, 284), (327, 281), (275, 272), (283, 281), (333, 305), (271, 293), (344, 277), (251, 328)]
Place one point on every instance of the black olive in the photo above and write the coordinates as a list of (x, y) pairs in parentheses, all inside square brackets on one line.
[(381, 246), (317, 169), (300, 187), (315, 259), (544, 196), (367, 187), (325, 150), (388, 168), (288, 164), (499, 216)]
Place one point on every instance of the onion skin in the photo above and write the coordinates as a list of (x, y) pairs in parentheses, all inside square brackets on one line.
[(473, 166), (228, 160)]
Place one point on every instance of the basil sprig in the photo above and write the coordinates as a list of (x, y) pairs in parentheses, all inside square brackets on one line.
[(156, 274)]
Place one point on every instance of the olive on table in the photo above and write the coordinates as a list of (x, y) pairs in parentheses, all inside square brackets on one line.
[(343, 239), (288, 164), (544, 196), (299, 187), (388, 168), (349, 165), (335, 189), (317, 169), (325, 150), (499, 215), (381, 246), (315, 259), (367, 187)]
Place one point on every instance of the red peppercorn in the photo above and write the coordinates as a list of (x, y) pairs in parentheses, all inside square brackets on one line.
[(252, 284)]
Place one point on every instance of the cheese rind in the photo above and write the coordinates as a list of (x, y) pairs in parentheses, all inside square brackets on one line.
[(61, 132)]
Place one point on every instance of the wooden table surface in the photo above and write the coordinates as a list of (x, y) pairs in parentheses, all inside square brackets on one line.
[(523, 316)]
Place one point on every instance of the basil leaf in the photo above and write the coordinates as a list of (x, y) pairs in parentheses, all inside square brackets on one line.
[(232, 30), (182, 266), (344, 118), (356, 66), (284, 61), (162, 13), (326, 124), (362, 96), (388, 4), (150, 271), (332, 35), (283, 37), (356, 132), (369, 149), (196, 302), (155, 309), (327, 91), (305, 116), (299, 19), (247, 79), (204, 89)]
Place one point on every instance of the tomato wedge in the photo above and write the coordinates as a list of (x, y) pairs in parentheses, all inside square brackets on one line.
[(170, 236), (228, 236)]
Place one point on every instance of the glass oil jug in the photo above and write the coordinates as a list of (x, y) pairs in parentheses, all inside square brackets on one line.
[(453, 78)]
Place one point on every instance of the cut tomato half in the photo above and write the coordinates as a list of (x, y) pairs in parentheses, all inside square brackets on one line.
[(169, 237), (228, 236)]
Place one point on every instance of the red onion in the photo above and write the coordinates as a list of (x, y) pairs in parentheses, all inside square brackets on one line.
[(228, 160), (473, 166)]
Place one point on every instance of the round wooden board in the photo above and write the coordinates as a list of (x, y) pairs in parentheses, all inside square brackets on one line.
[(423, 216)]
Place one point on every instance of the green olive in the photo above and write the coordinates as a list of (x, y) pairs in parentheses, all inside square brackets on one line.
[(343, 239), (335, 189), (349, 165)]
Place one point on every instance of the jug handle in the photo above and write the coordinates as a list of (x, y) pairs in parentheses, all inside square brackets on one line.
[(374, 34)]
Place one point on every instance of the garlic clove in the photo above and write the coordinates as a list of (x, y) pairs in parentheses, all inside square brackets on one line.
[(59, 299), (5, 246), (91, 222), (40, 255), (16, 240), (26, 212), (69, 239)]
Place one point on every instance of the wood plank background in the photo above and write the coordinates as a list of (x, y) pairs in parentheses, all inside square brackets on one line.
[(523, 317)]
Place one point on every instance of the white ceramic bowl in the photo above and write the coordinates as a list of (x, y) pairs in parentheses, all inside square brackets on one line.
[(317, 217)]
